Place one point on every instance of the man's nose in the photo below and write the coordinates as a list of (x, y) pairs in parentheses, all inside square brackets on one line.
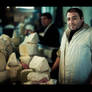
[(71, 21)]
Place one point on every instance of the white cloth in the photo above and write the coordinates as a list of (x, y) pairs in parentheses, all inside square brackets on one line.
[(36, 76), (42, 34), (39, 64), (29, 45)]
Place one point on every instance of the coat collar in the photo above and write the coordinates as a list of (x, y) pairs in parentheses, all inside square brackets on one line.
[(85, 26)]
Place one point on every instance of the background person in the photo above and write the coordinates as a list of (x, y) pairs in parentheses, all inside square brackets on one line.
[(49, 38)]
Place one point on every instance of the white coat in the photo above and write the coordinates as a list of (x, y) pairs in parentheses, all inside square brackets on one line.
[(76, 56)]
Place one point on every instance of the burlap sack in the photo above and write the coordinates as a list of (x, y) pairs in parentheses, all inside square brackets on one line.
[(6, 46), (6, 38), (16, 41), (2, 47), (9, 49)]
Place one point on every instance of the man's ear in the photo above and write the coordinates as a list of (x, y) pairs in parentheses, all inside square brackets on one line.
[(50, 20)]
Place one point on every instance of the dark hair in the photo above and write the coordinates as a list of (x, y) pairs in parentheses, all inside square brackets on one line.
[(77, 10), (48, 15)]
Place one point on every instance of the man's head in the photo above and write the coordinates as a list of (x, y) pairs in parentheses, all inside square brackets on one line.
[(74, 18), (46, 19)]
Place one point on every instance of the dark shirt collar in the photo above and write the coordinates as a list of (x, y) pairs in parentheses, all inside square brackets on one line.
[(78, 28), (72, 32)]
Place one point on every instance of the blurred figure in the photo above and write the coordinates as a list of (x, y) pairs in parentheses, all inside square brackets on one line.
[(49, 39), (18, 37), (48, 33), (9, 29), (29, 28), (19, 32)]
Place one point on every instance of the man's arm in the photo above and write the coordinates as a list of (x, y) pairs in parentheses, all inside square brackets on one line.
[(56, 64)]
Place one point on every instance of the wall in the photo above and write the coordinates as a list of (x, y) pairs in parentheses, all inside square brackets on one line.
[(51, 10), (87, 13)]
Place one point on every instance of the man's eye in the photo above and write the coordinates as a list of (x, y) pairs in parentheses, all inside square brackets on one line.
[(74, 18), (68, 19)]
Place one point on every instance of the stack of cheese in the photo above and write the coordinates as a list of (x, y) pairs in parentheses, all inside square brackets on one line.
[(6, 46), (3, 73), (28, 48), (40, 70), (13, 66)]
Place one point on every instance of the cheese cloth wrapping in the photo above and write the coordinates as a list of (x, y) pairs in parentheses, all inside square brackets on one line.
[(25, 59), (28, 49), (37, 76), (3, 47), (33, 38), (50, 82), (12, 61), (7, 49), (6, 38), (29, 45), (39, 64)]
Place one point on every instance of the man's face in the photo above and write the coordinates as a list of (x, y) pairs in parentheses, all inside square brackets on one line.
[(45, 21), (73, 20)]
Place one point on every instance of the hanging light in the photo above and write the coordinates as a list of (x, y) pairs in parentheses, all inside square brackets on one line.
[(8, 7), (24, 7)]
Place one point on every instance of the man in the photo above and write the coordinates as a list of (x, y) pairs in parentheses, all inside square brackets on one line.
[(76, 50), (48, 33), (49, 38)]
